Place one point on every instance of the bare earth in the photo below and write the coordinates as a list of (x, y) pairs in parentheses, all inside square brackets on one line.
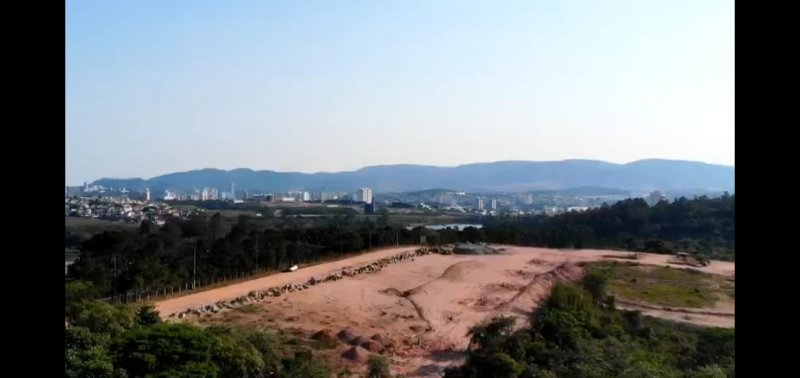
[(426, 306)]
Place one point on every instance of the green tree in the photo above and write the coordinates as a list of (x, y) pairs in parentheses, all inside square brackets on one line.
[(383, 217), (378, 367), (75, 293), (595, 283), (101, 317), (92, 362), (491, 334), (501, 365), (147, 315), (236, 357), (304, 365), (164, 348)]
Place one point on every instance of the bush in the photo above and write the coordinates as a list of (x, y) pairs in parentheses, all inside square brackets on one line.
[(378, 367), (572, 336)]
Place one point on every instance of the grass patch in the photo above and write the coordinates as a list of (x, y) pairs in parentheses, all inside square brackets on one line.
[(249, 309), (663, 286)]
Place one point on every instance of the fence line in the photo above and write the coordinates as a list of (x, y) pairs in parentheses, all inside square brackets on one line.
[(147, 294)]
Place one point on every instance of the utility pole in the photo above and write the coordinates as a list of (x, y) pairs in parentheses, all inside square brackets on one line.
[(115, 276), (397, 236), (194, 267), (256, 252)]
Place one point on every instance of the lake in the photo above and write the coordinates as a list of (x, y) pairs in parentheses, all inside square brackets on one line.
[(457, 226)]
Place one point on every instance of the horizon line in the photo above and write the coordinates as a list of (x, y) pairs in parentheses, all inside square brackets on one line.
[(403, 164)]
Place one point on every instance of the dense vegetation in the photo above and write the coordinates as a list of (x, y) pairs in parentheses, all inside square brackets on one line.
[(704, 226), (200, 248), (203, 248), (114, 341), (578, 333)]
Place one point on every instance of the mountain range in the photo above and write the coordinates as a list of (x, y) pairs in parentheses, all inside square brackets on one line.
[(651, 174)]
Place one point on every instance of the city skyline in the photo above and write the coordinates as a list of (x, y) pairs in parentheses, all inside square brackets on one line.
[(311, 86)]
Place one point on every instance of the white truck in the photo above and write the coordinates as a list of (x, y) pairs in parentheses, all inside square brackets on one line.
[(291, 268)]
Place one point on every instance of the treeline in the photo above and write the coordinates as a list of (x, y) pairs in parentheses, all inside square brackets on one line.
[(103, 340), (579, 333), (703, 226), (199, 249), (203, 248)]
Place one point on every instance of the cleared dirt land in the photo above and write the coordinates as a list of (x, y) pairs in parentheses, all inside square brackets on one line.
[(420, 310)]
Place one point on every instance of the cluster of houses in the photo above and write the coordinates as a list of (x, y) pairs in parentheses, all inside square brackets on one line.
[(119, 209)]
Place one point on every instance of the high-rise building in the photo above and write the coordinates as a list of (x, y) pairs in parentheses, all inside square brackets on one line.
[(494, 203), (480, 203), (233, 192), (363, 195), (328, 196), (147, 194)]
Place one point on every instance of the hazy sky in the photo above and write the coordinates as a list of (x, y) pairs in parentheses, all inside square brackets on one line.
[(154, 87)]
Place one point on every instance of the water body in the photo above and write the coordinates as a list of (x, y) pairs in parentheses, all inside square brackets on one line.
[(456, 226)]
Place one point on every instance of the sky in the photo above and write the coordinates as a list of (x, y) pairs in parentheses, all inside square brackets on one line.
[(155, 87)]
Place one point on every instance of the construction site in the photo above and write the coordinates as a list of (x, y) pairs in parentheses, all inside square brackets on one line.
[(412, 305)]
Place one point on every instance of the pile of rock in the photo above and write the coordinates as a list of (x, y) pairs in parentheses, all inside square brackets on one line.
[(362, 345), (258, 296)]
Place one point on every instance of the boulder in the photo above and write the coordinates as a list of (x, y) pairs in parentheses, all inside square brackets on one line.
[(346, 335), (357, 354)]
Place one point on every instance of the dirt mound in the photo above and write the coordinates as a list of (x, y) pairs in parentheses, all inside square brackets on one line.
[(346, 335), (358, 340), (324, 335), (460, 271), (357, 354), (417, 328), (539, 287), (372, 346)]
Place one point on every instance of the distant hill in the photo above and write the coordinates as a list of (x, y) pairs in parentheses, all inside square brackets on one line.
[(498, 176)]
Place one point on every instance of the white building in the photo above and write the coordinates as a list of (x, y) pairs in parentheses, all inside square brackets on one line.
[(480, 203), (169, 196), (494, 204), (363, 195), (328, 196), (300, 196)]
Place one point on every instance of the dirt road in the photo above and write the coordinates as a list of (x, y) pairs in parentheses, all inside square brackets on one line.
[(171, 305)]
